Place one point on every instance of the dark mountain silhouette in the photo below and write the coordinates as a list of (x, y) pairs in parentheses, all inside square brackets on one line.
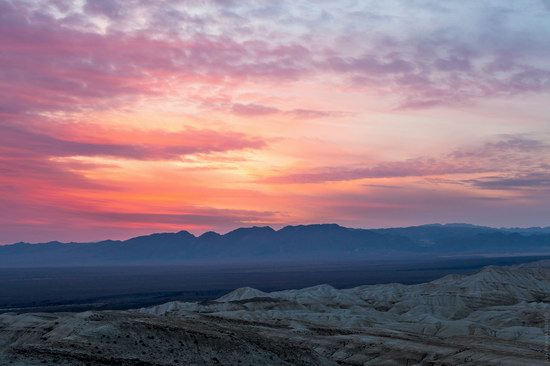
[(430, 234), (291, 243), (494, 242)]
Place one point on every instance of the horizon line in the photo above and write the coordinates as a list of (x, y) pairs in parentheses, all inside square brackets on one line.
[(279, 229)]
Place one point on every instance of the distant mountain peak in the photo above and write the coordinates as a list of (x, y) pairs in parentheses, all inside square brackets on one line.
[(314, 227), (209, 235), (250, 230)]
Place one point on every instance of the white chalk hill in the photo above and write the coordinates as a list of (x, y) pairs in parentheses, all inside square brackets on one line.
[(493, 317)]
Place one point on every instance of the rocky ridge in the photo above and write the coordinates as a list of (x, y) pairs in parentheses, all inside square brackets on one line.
[(496, 316)]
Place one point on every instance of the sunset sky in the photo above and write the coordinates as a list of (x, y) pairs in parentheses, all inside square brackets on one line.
[(125, 117)]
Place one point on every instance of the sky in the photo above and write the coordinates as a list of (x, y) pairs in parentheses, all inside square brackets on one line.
[(125, 117)]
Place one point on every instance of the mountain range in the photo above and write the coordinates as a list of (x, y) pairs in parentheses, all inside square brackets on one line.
[(303, 242)]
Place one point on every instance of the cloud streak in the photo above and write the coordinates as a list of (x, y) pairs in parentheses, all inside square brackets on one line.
[(511, 152), (21, 142), (533, 180), (259, 110)]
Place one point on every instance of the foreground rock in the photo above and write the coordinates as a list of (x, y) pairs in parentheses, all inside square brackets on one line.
[(494, 317)]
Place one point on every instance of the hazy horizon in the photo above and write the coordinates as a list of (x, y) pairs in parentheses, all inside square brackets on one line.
[(197, 233)]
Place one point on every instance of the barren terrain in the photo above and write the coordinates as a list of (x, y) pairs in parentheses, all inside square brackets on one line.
[(494, 317)]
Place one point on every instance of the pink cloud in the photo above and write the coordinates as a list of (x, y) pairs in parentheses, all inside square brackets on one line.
[(171, 146), (409, 168), (255, 110), (49, 66), (36, 188), (510, 154)]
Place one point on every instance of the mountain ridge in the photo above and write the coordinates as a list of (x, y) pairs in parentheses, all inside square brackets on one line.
[(297, 242), (531, 229)]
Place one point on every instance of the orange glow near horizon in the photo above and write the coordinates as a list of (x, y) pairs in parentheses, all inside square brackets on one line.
[(112, 127)]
